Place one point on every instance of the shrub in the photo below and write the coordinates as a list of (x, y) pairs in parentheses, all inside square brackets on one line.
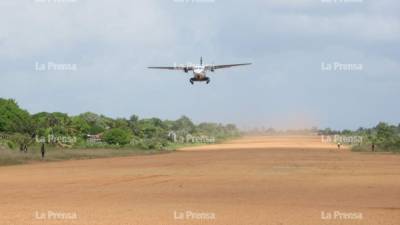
[(117, 136), (10, 145)]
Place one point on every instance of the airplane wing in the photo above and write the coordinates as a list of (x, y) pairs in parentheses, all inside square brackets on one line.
[(185, 68), (163, 67), (228, 65)]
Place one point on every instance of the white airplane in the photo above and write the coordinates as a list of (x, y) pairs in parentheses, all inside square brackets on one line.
[(199, 71)]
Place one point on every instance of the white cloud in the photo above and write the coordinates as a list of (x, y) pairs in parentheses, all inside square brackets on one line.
[(32, 28)]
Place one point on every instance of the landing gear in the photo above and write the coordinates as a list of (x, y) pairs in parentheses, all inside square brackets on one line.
[(207, 80)]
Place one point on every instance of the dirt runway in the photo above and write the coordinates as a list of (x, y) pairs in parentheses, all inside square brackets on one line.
[(293, 180)]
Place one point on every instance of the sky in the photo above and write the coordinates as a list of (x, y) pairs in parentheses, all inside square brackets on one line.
[(321, 63)]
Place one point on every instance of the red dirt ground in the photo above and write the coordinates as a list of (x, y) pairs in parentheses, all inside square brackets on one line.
[(295, 180)]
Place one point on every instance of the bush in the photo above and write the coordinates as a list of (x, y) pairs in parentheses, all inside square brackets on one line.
[(153, 143), (11, 145), (117, 136)]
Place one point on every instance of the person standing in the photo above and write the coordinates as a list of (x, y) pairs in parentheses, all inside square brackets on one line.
[(339, 145), (373, 147), (43, 151)]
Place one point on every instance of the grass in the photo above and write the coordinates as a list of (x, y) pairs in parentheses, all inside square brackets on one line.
[(14, 157), (175, 146), (367, 148)]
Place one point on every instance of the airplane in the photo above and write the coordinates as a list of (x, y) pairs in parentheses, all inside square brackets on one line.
[(199, 71)]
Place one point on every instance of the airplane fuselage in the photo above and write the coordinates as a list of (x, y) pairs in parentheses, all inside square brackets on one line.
[(200, 74)]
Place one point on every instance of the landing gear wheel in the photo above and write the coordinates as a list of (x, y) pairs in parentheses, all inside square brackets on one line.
[(208, 80), (191, 81)]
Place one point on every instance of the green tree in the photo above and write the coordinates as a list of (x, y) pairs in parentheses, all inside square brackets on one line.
[(133, 124), (117, 136), (97, 123), (80, 126), (184, 124), (386, 135), (121, 123), (13, 119), (52, 123)]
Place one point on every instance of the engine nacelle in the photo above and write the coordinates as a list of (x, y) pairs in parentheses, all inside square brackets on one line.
[(212, 68), (186, 70)]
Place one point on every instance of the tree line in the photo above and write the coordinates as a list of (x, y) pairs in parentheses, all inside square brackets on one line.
[(20, 127), (384, 136)]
